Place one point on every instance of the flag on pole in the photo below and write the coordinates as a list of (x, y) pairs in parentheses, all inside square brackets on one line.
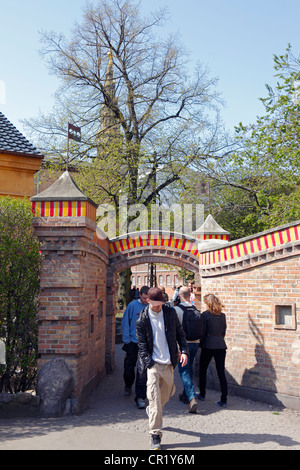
[(202, 187), (74, 132)]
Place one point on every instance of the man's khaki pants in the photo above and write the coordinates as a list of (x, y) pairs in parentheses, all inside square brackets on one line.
[(160, 388)]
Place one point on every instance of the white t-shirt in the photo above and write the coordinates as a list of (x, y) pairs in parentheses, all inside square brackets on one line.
[(161, 353)]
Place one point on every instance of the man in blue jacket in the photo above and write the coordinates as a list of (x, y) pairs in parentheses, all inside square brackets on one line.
[(130, 317)]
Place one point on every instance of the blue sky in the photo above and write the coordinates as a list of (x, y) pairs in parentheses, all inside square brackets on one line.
[(235, 39)]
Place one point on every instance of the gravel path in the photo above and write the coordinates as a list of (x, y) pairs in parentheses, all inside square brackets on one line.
[(112, 422)]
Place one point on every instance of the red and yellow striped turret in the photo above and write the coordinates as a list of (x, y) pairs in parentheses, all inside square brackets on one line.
[(63, 199)]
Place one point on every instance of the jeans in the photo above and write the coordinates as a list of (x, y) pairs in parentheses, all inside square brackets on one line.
[(205, 358), (186, 373)]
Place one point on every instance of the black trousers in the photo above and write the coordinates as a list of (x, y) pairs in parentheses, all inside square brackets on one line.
[(205, 358), (129, 375)]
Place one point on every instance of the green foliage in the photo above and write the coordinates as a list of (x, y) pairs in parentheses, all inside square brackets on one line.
[(185, 275), (20, 265), (257, 186)]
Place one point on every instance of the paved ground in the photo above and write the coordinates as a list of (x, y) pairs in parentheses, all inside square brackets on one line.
[(112, 422)]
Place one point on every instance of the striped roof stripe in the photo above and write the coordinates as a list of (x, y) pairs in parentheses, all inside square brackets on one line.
[(132, 241), (262, 242)]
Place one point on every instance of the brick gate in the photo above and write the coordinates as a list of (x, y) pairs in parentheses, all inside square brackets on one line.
[(258, 279), (79, 279)]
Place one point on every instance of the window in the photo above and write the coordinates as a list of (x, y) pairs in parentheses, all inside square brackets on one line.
[(100, 309), (168, 280), (285, 316), (161, 280), (139, 281), (91, 324)]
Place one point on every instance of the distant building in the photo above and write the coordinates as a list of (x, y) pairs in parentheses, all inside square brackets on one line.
[(165, 277), (19, 161)]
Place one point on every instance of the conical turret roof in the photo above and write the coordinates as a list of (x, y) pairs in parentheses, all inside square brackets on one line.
[(63, 189), (210, 227)]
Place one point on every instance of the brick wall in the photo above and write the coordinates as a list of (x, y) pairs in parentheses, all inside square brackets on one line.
[(258, 279), (73, 298), (78, 292), (263, 356)]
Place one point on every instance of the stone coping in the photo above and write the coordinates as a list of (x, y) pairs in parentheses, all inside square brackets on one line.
[(259, 248), (155, 240), (251, 237)]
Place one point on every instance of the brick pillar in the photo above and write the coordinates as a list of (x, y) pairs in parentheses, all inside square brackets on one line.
[(111, 292), (73, 283), (197, 290)]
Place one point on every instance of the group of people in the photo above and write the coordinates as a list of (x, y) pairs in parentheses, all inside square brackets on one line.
[(155, 341), (176, 298)]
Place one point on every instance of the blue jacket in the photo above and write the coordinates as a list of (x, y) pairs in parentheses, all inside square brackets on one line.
[(130, 317)]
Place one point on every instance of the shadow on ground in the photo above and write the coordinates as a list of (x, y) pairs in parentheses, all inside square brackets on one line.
[(108, 409)]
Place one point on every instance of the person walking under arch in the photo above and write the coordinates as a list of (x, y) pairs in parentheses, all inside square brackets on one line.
[(187, 372), (159, 335), (130, 347), (213, 346)]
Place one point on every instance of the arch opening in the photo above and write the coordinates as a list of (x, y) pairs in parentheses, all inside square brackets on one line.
[(120, 263), (152, 247)]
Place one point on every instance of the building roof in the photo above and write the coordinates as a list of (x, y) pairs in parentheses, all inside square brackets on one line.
[(12, 141), (210, 226), (63, 189)]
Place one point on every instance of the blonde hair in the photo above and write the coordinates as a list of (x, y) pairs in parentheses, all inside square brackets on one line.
[(214, 304)]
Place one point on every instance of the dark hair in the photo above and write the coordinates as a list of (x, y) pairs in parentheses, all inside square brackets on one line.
[(144, 290)]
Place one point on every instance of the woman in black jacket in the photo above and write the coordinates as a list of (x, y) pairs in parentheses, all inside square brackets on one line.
[(213, 345)]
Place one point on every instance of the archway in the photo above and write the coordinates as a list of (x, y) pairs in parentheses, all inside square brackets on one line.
[(79, 279), (136, 248), (154, 247)]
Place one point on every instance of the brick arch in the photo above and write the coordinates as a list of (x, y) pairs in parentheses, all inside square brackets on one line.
[(154, 247)]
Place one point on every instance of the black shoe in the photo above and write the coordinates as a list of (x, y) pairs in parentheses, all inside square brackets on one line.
[(155, 442), (221, 404), (127, 392), (199, 397), (140, 403), (183, 398)]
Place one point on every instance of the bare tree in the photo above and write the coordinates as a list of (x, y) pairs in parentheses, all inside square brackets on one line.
[(134, 96)]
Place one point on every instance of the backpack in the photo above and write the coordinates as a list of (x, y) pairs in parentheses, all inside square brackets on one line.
[(191, 323)]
